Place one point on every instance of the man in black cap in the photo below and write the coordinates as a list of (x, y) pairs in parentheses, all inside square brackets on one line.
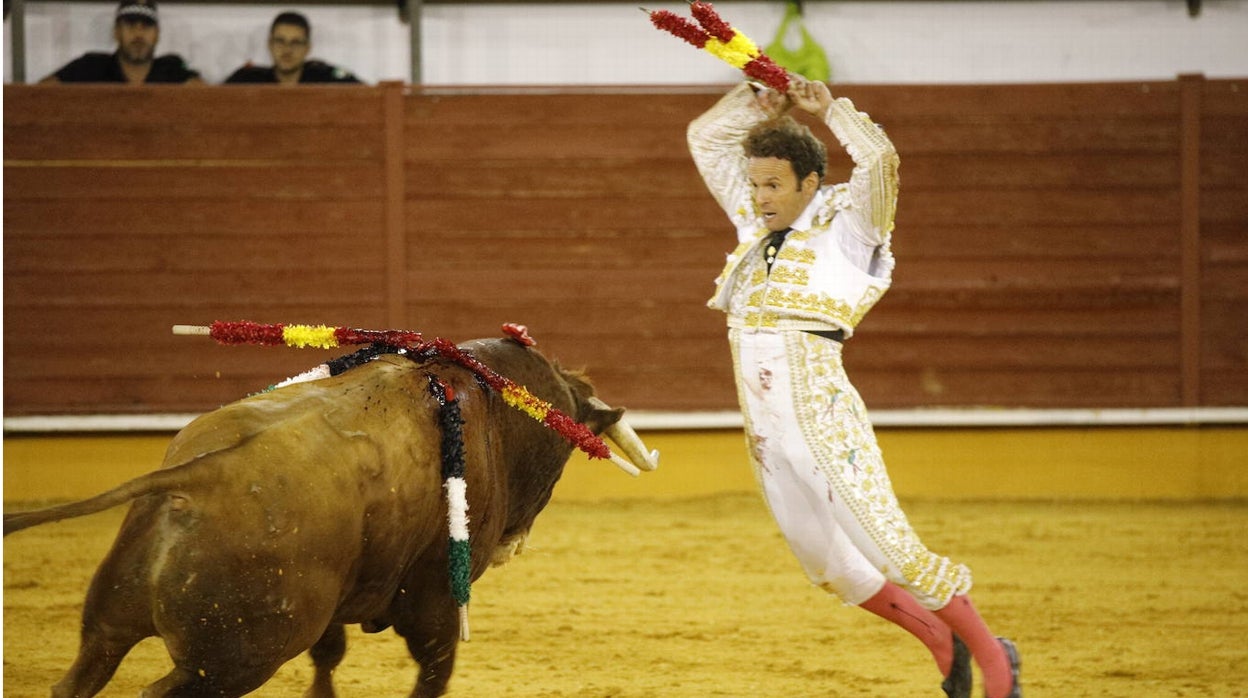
[(290, 41), (136, 29)]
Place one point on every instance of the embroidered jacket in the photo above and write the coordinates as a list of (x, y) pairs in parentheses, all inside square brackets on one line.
[(836, 262)]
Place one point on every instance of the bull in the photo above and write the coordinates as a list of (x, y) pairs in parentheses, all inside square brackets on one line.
[(279, 519)]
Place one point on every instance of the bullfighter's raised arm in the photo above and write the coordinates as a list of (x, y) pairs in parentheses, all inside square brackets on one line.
[(715, 143), (874, 182)]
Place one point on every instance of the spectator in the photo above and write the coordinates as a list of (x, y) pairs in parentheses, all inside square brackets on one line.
[(136, 28), (290, 40)]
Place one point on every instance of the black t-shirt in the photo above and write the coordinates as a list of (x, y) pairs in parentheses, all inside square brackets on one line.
[(313, 71), (105, 67)]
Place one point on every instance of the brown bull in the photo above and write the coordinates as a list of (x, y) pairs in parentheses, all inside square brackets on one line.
[(279, 518)]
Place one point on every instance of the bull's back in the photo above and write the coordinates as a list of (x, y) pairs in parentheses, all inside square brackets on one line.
[(311, 483)]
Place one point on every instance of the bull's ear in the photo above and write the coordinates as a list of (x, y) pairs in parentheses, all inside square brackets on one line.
[(601, 416)]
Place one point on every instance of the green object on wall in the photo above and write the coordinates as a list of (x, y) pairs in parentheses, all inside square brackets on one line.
[(808, 59)]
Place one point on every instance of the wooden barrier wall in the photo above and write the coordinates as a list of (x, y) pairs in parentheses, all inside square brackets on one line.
[(1058, 245)]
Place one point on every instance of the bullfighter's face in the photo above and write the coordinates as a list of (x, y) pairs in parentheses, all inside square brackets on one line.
[(779, 197)]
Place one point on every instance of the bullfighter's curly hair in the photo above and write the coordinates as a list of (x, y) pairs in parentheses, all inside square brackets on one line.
[(786, 139)]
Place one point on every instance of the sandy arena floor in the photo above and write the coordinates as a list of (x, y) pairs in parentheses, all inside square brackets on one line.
[(698, 598)]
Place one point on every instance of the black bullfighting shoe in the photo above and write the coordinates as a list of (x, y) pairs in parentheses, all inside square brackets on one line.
[(958, 683), (1016, 665)]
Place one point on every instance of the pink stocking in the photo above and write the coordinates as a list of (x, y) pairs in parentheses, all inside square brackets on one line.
[(961, 615), (894, 604)]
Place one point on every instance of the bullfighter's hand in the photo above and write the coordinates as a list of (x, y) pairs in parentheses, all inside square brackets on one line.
[(772, 103), (811, 96)]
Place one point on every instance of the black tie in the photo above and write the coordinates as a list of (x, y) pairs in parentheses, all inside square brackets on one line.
[(772, 250)]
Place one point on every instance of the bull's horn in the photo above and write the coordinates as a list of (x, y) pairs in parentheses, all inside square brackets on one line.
[(625, 465), (623, 436)]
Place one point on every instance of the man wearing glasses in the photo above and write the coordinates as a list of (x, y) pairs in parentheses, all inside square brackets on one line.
[(290, 40)]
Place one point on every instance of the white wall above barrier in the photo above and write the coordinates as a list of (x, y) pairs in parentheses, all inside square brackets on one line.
[(613, 43)]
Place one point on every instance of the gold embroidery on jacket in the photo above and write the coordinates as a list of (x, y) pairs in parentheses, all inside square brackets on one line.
[(807, 304), (798, 276), (789, 253)]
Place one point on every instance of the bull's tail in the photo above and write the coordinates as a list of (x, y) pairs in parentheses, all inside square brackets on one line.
[(157, 481)]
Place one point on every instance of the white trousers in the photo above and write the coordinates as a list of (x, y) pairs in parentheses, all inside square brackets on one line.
[(822, 474)]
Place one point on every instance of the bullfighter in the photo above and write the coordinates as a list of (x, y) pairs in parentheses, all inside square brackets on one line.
[(811, 260)]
